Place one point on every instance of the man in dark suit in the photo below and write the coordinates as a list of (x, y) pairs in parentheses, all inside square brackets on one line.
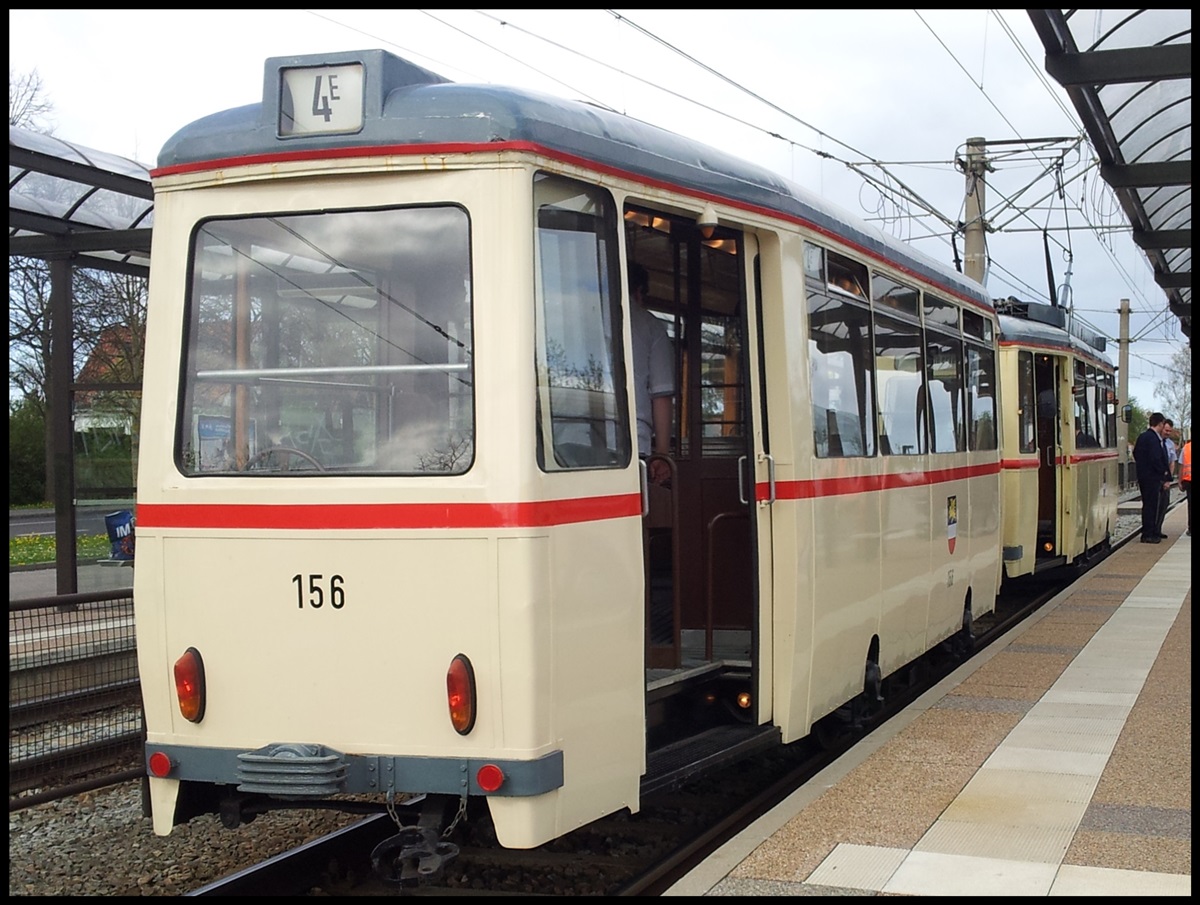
[(1153, 473)]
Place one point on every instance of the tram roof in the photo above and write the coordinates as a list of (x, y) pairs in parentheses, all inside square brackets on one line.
[(1049, 326), (418, 107)]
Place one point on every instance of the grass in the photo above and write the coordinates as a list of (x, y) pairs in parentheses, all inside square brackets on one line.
[(24, 551)]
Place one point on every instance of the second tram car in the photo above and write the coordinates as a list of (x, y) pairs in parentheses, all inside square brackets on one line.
[(395, 538), (1061, 486)]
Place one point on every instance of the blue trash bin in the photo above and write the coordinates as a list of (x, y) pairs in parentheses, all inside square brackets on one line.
[(120, 533)]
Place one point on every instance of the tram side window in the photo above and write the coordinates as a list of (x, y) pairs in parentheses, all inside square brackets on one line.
[(582, 409), (1109, 416), (981, 397), (1086, 430), (1027, 410), (899, 375), (313, 347), (840, 355), (982, 430), (1099, 405), (944, 377)]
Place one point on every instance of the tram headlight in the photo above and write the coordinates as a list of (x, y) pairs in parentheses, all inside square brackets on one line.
[(189, 685), (460, 694)]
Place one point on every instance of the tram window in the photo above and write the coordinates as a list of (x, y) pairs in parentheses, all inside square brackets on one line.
[(899, 375), (982, 417), (1027, 411), (846, 276), (1109, 412), (977, 326), (840, 366), (981, 398), (887, 292), (1083, 391), (313, 347), (582, 409), (722, 387), (944, 377), (1098, 406), (943, 370)]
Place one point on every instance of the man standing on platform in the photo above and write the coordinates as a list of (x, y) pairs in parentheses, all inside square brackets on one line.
[(1153, 473)]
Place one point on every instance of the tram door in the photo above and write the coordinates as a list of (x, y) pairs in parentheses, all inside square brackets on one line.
[(1046, 375), (699, 535)]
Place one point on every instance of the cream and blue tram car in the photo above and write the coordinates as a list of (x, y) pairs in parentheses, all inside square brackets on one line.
[(1061, 485), (394, 535)]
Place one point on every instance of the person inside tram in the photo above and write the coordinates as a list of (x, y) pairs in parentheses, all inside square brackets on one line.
[(654, 377)]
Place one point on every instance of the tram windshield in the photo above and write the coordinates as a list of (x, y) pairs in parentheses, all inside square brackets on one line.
[(329, 342)]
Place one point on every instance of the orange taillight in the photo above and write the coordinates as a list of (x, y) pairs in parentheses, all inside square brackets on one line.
[(460, 694), (189, 685)]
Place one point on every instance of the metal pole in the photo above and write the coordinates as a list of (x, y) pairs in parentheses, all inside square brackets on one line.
[(974, 250), (62, 378)]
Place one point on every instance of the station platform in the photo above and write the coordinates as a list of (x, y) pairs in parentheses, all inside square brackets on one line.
[(1057, 762)]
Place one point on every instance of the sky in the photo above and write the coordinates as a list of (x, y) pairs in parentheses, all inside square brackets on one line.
[(850, 104)]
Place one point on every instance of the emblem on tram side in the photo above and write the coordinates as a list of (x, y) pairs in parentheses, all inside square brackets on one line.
[(951, 520)]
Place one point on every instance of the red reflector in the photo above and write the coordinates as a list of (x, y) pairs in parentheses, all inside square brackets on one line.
[(490, 777), (189, 685), (460, 694), (160, 764)]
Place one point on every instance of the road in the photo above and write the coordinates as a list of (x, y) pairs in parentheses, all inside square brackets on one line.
[(89, 519)]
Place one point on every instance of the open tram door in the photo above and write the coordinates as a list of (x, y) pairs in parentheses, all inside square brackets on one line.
[(703, 533), (1047, 375)]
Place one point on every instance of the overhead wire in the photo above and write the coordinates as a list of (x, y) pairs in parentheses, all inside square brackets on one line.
[(892, 190)]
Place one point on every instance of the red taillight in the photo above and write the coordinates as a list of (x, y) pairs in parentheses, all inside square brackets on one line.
[(460, 694), (160, 764), (189, 685), (490, 777)]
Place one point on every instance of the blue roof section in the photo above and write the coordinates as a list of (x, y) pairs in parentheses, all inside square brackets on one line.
[(1043, 326), (419, 107)]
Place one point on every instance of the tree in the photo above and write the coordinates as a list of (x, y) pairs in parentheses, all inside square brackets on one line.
[(26, 452), (29, 106), (1175, 390), (105, 305), (1139, 419), (116, 333)]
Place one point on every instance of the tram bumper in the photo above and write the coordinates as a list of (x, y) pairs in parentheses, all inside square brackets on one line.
[(306, 772)]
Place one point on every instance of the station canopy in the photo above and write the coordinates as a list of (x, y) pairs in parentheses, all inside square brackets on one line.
[(65, 199), (1129, 74)]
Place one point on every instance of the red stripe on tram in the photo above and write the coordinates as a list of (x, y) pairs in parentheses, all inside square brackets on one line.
[(360, 516)]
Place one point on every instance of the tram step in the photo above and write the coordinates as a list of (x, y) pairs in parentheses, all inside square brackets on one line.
[(672, 765)]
